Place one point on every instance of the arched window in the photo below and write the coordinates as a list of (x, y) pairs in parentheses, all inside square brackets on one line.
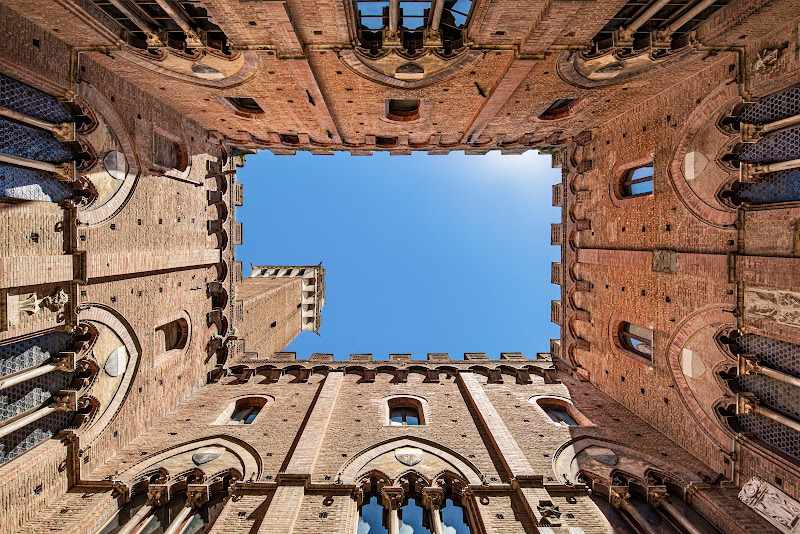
[(637, 182), (454, 518), (172, 336), (246, 106), (404, 416), (560, 416), (559, 109), (637, 339), (246, 410), (561, 412)]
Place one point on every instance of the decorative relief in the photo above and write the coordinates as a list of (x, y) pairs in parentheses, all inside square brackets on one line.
[(765, 59), (780, 306), (29, 304), (772, 504), (665, 261)]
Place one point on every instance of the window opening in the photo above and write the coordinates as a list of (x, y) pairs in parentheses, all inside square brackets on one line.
[(561, 417), (174, 334), (637, 339), (558, 109), (373, 14), (245, 416), (638, 181), (246, 103), (404, 416), (413, 518), (370, 518), (403, 110), (453, 518), (167, 153)]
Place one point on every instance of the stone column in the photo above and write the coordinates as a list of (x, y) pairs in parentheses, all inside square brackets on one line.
[(619, 497), (392, 498), (659, 498), (748, 403), (749, 365), (65, 401), (432, 500)]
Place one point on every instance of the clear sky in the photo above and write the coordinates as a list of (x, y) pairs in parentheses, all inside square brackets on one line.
[(422, 253)]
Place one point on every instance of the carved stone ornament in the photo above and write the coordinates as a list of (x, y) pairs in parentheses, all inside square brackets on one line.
[(408, 455), (665, 261), (780, 306), (765, 59), (772, 504)]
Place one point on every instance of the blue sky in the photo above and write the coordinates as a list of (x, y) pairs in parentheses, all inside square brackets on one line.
[(423, 253)]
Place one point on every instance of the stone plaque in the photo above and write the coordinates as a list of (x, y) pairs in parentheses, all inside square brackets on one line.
[(408, 455), (780, 306), (771, 503)]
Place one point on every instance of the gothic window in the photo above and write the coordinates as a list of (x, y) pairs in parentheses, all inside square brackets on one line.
[(404, 416), (769, 145), (403, 110), (168, 153), (454, 518), (637, 339), (413, 517), (559, 109), (637, 182), (373, 14)]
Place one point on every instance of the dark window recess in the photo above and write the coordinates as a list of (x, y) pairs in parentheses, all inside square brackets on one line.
[(289, 139), (403, 110), (559, 109), (246, 103), (385, 141)]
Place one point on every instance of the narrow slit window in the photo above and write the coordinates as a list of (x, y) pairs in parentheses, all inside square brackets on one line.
[(637, 182), (246, 103), (561, 417), (245, 416)]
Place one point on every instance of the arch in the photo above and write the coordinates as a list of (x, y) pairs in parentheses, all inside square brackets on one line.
[(250, 65), (249, 458), (124, 331), (685, 330), (355, 466), (101, 214), (555, 407), (720, 97), (568, 451)]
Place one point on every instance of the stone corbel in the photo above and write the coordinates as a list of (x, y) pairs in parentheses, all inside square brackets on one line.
[(657, 496), (400, 376), (749, 365)]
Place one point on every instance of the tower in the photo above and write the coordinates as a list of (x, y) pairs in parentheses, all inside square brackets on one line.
[(277, 303)]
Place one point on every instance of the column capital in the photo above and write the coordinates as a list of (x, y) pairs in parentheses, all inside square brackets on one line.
[(619, 496), (432, 498), (197, 494), (658, 496), (392, 497), (746, 403), (749, 364), (158, 494)]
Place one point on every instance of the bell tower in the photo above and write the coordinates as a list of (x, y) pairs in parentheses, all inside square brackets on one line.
[(276, 303)]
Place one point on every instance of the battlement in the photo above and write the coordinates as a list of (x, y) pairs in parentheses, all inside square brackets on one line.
[(405, 358)]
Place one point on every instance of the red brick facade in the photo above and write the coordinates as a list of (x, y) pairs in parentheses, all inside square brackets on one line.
[(676, 290)]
